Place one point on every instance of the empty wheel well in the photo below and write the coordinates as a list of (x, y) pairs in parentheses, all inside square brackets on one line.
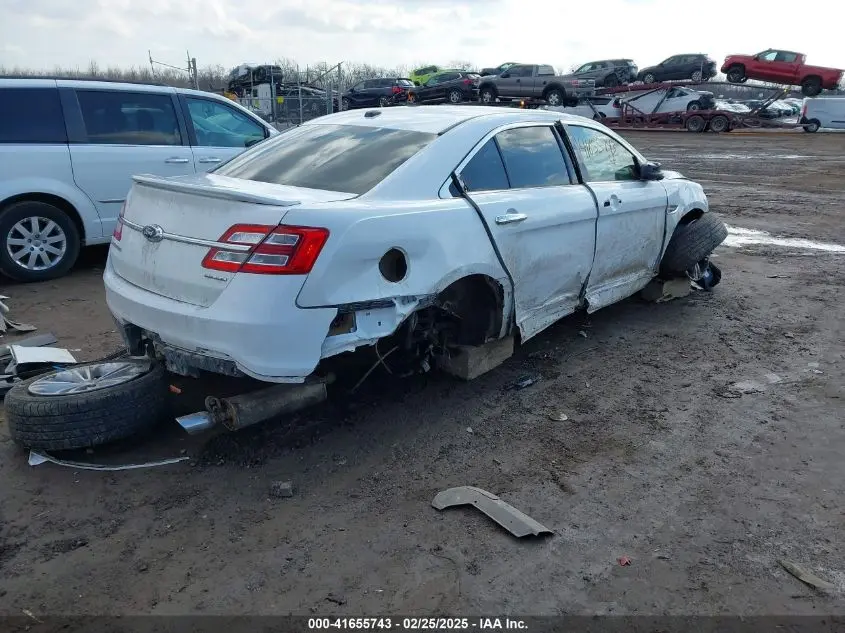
[(811, 78), (695, 214), (476, 302), (48, 198)]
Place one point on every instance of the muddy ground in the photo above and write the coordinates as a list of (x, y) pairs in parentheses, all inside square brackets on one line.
[(702, 487)]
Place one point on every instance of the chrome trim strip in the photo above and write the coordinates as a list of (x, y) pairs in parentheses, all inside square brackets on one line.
[(112, 201), (195, 241)]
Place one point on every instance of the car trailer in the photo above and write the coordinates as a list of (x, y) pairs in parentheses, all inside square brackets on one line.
[(696, 120)]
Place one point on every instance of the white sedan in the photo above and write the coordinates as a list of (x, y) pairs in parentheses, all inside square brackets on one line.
[(422, 232), (331, 236)]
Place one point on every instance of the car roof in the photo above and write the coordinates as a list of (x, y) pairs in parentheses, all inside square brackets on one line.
[(434, 119)]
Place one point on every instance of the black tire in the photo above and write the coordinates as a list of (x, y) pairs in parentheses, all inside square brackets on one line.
[(17, 211), (691, 243), (611, 81), (693, 106), (696, 123), (812, 126), (455, 96), (697, 76), (555, 97), (384, 102), (811, 87), (736, 74), (344, 104), (89, 419), (719, 123), (487, 95), (648, 78)]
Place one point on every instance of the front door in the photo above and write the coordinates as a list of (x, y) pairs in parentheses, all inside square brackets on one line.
[(631, 217), (542, 222), (519, 81), (220, 132), (127, 133)]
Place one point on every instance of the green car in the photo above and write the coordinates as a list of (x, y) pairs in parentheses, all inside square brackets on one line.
[(421, 75)]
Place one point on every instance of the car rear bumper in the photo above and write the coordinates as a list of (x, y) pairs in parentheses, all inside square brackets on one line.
[(254, 325)]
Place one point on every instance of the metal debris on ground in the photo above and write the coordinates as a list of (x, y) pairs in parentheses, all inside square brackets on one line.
[(281, 489), (517, 523), (805, 576), (623, 561), (6, 323), (37, 458), (37, 340), (558, 417), (523, 382)]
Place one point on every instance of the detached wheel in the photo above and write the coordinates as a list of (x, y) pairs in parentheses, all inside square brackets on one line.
[(696, 123), (87, 405), (691, 243), (719, 123), (38, 241)]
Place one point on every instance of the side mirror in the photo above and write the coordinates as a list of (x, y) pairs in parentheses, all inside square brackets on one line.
[(650, 171)]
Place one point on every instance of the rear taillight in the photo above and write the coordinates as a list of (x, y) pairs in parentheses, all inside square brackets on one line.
[(397, 90), (274, 250), (117, 234), (467, 82)]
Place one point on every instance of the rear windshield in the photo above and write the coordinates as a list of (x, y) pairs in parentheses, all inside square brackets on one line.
[(346, 158)]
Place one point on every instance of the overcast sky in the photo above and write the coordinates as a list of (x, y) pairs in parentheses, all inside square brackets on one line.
[(69, 33)]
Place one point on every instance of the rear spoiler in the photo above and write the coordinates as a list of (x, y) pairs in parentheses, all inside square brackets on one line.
[(210, 191)]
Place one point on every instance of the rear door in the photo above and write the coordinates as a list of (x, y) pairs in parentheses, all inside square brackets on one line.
[(543, 75), (218, 131), (121, 134), (542, 222), (788, 66), (631, 216)]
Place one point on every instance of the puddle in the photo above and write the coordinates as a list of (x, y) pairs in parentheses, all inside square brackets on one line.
[(738, 236)]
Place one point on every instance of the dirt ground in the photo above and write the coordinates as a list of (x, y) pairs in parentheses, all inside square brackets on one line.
[(703, 487)]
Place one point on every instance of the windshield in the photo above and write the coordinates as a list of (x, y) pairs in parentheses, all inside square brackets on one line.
[(345, 158)]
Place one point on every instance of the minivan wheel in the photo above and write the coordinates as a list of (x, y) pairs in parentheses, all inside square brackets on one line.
[(38, 241), (812, 125)]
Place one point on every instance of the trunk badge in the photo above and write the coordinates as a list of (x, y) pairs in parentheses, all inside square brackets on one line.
[(153, 232)]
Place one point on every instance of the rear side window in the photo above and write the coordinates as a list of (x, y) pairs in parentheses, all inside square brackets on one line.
[(545, 70), (405, 82), (31, 115), (347, 158), (129, 118), (485, 171), (533, 157)]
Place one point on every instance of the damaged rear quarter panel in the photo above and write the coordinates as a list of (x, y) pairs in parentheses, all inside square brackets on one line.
[(443, 241)]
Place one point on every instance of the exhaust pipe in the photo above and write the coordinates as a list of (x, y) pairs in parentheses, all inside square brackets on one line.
[(254, 407)]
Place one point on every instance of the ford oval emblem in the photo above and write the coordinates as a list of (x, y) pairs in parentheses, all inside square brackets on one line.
[(153, 232)]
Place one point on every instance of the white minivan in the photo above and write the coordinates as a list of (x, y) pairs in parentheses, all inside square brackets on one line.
[(819, 112), (69, 149)]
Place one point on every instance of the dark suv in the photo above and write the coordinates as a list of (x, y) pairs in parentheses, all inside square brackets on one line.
[(608, 73), (376, 92), (698, 67)]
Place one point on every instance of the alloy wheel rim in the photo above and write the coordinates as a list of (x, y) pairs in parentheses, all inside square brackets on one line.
[(36, 243), (87, 378)]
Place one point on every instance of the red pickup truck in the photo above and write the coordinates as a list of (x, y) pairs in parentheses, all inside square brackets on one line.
[(783, 67)]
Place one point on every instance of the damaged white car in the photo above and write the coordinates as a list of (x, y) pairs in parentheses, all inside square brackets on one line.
[(423, 231)]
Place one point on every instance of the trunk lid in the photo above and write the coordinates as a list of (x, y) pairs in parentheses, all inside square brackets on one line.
[(169, 225)]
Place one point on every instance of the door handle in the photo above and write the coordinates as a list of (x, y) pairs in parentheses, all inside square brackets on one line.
[(510, 217), (177, 160), (608, 202), (209, 159)]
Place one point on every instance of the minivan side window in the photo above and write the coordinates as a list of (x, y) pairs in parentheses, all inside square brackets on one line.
[(219, 125), (115, 117), (31, 115)]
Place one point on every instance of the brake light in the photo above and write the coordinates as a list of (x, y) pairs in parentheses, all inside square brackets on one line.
[(117, 234), (397, 90), (275, 250), (467, 82)]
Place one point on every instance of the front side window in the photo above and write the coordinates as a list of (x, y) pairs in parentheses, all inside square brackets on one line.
[(129, 118), (219, 125), (533, 157), (347, 158), (605, 158), (670, 62), (485, 171), (31, 115)]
